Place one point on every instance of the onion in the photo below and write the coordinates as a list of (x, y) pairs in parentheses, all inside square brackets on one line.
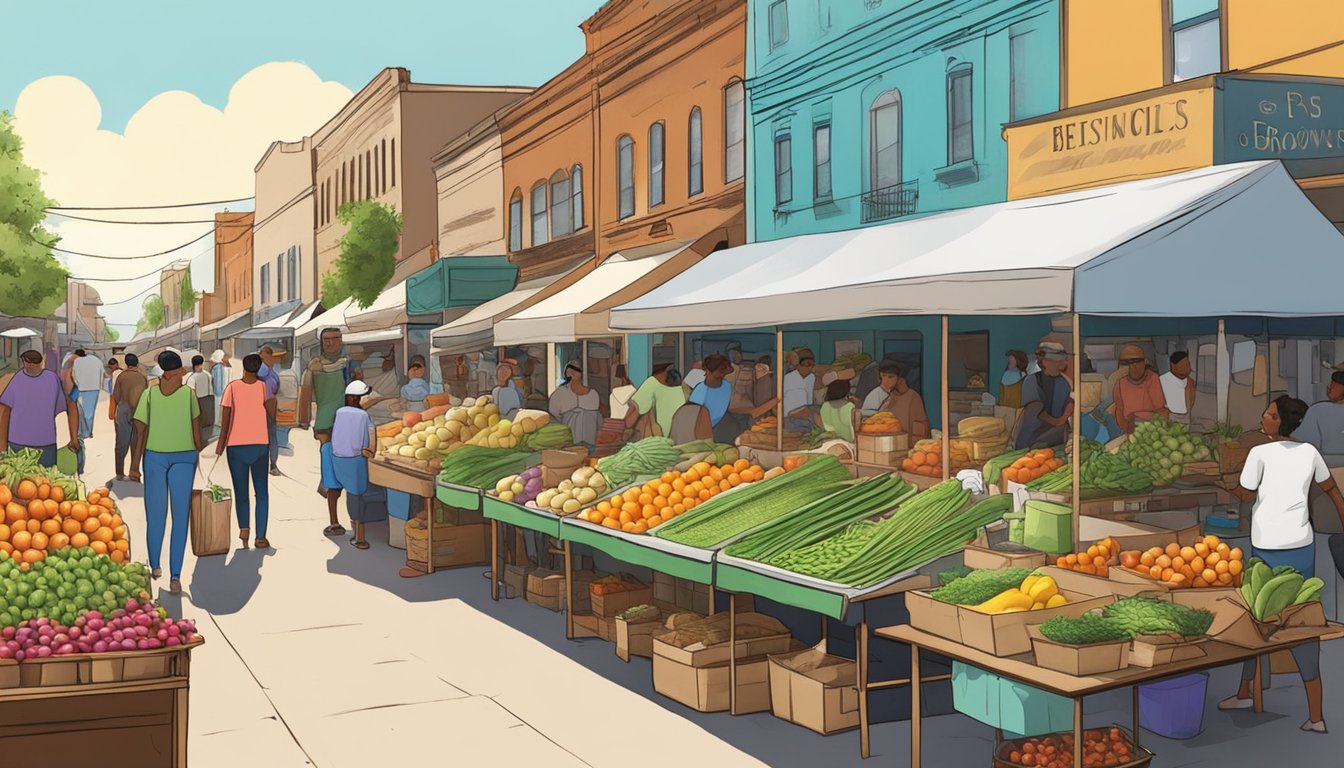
[(100, 646)]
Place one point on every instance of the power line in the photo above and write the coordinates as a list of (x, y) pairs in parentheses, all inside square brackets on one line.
[(246, 227), (115, 221), (145, 207)]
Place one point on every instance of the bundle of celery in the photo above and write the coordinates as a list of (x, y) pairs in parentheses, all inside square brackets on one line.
[(480, 467)]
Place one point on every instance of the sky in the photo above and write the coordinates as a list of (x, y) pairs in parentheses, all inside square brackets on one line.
[(148, 102)]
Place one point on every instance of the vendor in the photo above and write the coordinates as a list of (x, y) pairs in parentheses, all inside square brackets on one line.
[(838, 414), (1010, 383), (1178, 387), (1276, 478), (1047, 400), (799, 392), (656, 401), (576, 406), (506, 396), (903, 402), (376, 371), (888, 373), (715, 393), (1137, 395), (416, 389)]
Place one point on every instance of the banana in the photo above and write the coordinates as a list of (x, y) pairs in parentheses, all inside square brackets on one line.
[(1277, 594)]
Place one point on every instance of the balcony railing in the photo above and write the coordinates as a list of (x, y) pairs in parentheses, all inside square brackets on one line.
[(891, 202)]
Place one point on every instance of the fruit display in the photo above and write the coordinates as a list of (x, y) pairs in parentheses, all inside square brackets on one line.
[(725, 517), (1162, 448), (65, 585), (1209, 563), (1107, 474), (1103, 747), (582, 488), (1033, 465), (978, 586), (1084, 630), (674, 493), (927, 461), (696, 451), (427, 436), (764, 435), (1035, 593), (1270, 591), (1147, 616), (39, 519), (650, 456), (478, 467), (881, 423), (1095, 560), (137, 625), (25, 464), (844, 504), (503, 433), (993, 469)]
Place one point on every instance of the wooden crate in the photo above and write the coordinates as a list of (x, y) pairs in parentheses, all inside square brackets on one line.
[(454, 545)]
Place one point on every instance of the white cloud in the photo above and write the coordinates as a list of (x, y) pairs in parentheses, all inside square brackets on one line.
[(174, 149)]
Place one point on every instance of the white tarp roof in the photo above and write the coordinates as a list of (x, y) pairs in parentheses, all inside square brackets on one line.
[(370, 337), (1228, 240), (21, 333), (474, 331), (387, 310), (334, 317), (218, 324), (579, 310)]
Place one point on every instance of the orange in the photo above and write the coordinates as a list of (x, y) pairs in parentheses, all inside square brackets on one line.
[(631, 506), (105, 519), (80, 511), (117, 556), (690, 476), (59, 541), (704, 494), (40, 541), (79, 540), (647, 511), (668, 475), (57, 493), (21, 540), (51, 526), (122, 545), (34, 556), (91, 525), (674, 498), (116, 519), (660, 502), (653, 522), (645, 498), (4, 532), (70, 526), (741, 464), (640, 527), (27, 490), (5, 496), (107, 504), (37, 510), (93, 497), (44, 491), (15, 513), (626, 517), (1235, 554), (678, 509), (677, 485), (103, 534), (6, 547), (103, 492), (716, 474), (734, 478), (602, 506), (631, 494), (64, 508), (665, 489), (725, 485), (628, 527), (52, 508), (99, 547), (33, 526), (1234, 567), (702, 468), (610, 523)]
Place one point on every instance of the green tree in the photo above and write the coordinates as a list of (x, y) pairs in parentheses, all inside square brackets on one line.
[(368, 254), (32, 281), (111, 334), (188, 300), (151, 314)]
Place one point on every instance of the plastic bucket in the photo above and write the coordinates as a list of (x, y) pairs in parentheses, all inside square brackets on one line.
[(1174, 708)]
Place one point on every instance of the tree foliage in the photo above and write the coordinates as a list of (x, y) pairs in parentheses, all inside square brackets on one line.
[(368, 254), (111, 334), (32, 281), (151, 314), (187, 302)]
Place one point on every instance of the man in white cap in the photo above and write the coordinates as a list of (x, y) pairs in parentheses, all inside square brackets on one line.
[(1047, 400)]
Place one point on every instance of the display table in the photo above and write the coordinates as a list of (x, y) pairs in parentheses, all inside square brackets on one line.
[(417, 482), (1022, 670), (500, 512)]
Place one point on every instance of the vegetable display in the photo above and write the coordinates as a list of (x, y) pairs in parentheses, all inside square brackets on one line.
[(67, 584), (979, 586), (1035, 593), (1108, 474), (1269, 592), (1209, 563), (503, 433), (26, 464), (1057, 480), (696, 451), (993, 469), (552, 435), (39, 520), (650, 456), (478, 467), (723, 518), (135, 626), (1101, 747), (428, 436), (584, 486), (1162, 448), (1095, 560), (848, 503), (881, 423), (1032, 465), (643, 508), (1146, 616), (521, 488), (1084, 630)]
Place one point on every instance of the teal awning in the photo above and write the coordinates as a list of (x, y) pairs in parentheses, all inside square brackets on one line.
[(459, 281)]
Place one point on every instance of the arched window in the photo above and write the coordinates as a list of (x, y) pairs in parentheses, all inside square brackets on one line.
[(625, 176), (392, 161), (734, 131), (373, 153), (539, 213), (562, 213), (695, 154), (960, 115), (885, 140), (516, 221), (368, 174), (656, 153), (383, 163), (576, 194)]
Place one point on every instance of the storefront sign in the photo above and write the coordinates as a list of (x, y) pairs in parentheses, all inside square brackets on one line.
[(1268, 119), (1163, 134)]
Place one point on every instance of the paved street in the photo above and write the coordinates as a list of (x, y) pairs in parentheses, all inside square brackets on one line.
[(319, 654)]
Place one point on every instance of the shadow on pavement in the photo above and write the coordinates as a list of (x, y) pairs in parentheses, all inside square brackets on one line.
[(222, 585)]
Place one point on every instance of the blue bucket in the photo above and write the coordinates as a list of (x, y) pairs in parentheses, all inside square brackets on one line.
[(1174, 708)]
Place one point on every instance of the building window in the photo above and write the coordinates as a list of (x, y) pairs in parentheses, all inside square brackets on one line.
[(783, 168), (576, 195), (280, 277), (341, 176), (1018, 95), (779, 24), (539, 213), (373, 162), (734, 132), (516, 221), (293, 272), (656, 147), (368, 175), (821, 162), (885, 119), (625, 176), (356, 194), (382, 162), (960, 120), (562, 214), (392, 163), (696, 154), (1196, 39), (265, 285)]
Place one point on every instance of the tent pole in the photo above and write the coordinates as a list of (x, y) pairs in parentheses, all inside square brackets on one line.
[(779, 389), (584, 362), (946, 407), (1223, 356), (1077, 428), (550, 368)]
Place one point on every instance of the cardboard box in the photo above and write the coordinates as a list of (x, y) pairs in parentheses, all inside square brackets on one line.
[(1078, 660), (883, 443), (933, 616), (515, 580), (636, 639), (1049, 527), (1233, 623), (815, 690), (1150, 651), (664, 588), (776, 639), (603, 628), (1005, 634), (882, 458), (546, 588), (982, 554), (692, 596), (1135, 535), (610, 604), (706, 688), (454, 545), (1088, 584)]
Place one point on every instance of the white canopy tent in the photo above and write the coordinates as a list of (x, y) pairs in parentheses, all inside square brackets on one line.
[(219, 326), (1222, 241), (333, 318), (386, 311), (279, 325), (475, 330), (19, 333)]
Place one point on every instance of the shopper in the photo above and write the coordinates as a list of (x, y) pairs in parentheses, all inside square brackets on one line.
[(345, 458), (622, 390), (202, 384), (902, 401), (32, 401), (506, 396), (1138, 394), (113, 371), (1276, 477), (270, 376), (577, 406), (1179, 388), (168, 435), (88, 374), (246, 411), (126, 393), (656, 401), (838, 414), (715, 393)]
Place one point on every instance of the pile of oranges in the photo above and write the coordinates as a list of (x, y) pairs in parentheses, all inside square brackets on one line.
[(642, 509), (1033, 465), (39, 519)]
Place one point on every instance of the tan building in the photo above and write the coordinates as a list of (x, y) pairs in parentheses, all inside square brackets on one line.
[(469, 176), (172, 281), (83, 323), (380, 146), (284, 267), (233, 261)]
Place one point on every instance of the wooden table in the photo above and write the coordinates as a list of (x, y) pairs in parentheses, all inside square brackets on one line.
[(1022, 670)]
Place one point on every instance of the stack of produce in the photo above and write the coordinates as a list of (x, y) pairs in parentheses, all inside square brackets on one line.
[(552, 435), (763, 435), (1162, 448), (881, 423), (1057, 480), (639, 613), (721, 519), (26, 464), (1095, 560), (650, 456), (1101, 747), (1209, 563), (1035, 593), (1269, 592), (135, 626), (1032, 465), (67, 584), (503, 433), (426, 437), (976, 587), (583, 487), (674, 493), (521, 488), (610, 585), (993, 469), (39, 519), (927, 460), (478, 467), (987, 436), (849, 503), (1107, 474), (718, 454), (1146, 616), (1084, 630)]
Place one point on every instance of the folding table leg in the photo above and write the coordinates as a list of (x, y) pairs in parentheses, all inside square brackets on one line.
[(861, 652), (569, 593), (494, 560), (1135, 691), (1078, 732), (1257, 696), (916, 716), (732, 653)]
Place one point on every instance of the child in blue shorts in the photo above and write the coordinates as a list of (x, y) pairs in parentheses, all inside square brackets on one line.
[(345, 457)]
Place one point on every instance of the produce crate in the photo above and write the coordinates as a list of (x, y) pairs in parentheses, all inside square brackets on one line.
[(9, 674), (705, 688), (636, 638), (96, 668), (1002, 754), (815, 690), (392, 473), (610, 604), (600, 626), (55, 671), (883, 443), (1150, 651), (454, 545), (515, 580), (1231, 457), (1078, 660), (776, 640)]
